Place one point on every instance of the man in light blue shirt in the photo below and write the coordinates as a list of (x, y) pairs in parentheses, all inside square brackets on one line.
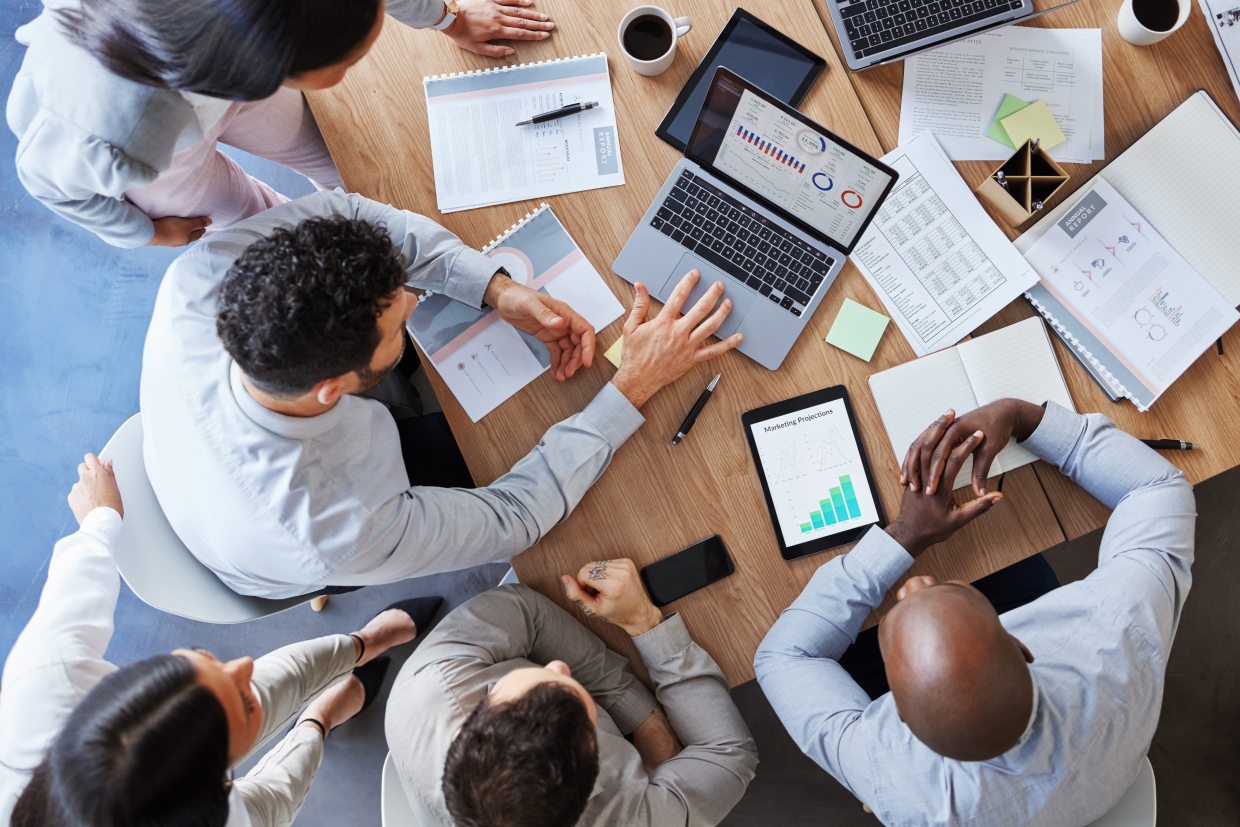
[(1041, 716)]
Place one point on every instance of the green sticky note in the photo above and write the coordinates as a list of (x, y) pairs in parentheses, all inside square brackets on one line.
[(1010, 106), (857, 329), (1034, 122)]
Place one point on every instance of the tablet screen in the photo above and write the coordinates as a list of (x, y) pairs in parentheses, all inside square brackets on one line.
[(816, 475), (778, 66)]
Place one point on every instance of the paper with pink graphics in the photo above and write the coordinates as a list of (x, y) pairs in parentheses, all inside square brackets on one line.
[(1130, 289), (483, 359)]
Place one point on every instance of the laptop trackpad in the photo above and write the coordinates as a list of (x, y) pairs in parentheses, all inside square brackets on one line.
[(742, 299)]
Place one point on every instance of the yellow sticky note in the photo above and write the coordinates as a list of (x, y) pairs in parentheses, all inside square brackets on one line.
[(1032, 123), (615, 352)]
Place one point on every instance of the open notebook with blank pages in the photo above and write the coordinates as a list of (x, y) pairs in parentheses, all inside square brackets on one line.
[(1179, 176), (481, 157), (1016, 361)]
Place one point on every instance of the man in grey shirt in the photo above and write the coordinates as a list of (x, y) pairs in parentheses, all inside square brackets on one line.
[(280, 478), (1041, 716), (512, 712)]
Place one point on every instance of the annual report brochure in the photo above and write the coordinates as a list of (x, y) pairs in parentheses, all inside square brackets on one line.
[(480, 357), (1138, 297)]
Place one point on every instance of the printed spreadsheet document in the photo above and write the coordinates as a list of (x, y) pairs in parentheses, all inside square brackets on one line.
[(938, 263)]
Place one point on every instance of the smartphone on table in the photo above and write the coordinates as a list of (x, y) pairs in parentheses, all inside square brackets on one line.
[(687, 570)]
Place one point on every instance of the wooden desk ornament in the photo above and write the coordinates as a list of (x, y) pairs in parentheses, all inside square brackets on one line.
[(1023, 184)]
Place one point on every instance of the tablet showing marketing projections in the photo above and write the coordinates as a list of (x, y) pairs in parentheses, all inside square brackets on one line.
[(814, 471)]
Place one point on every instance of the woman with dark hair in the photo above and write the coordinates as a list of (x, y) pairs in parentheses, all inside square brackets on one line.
[(84, 743), (119, 104)]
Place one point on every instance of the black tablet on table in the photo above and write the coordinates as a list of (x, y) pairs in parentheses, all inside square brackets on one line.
[(814, 471), (761, 55)]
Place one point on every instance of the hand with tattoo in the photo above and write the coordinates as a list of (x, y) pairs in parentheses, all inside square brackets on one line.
[(611, 590)]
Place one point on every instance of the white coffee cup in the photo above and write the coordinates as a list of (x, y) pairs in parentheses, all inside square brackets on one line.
[(1132, 30), (679, 26)]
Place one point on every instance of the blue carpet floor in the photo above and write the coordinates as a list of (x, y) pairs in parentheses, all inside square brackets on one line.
[(75, 317)]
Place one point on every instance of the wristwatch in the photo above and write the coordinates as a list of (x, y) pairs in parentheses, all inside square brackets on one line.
[(449, 14)]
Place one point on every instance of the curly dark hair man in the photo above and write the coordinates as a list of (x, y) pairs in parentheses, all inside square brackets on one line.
[(533, 760), (302, 305)]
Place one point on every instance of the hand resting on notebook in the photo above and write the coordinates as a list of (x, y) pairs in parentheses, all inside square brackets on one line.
[(997, 423), (929, 517)]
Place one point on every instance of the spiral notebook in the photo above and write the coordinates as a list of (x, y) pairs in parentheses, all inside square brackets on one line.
[(484, 360), (1175, 176), (481, 157)]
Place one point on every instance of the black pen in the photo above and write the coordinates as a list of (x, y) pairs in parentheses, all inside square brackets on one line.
[(571, 109), (697, 409), (1172, 444)]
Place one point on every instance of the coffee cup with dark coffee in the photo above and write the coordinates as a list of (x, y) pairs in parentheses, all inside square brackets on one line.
[(1145, 22), (648, 36)]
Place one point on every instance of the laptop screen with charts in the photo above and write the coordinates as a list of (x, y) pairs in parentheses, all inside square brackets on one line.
[(798, 169)]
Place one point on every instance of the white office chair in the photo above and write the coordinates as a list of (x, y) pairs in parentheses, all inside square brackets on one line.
[(155, 563), (394, 805), (1138, 807)]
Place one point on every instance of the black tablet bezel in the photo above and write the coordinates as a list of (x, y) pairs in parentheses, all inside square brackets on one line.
[(700, 72), (800, 403)]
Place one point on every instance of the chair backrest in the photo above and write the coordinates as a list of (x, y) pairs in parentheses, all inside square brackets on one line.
[(1138, 807), (155, 563), (394, 804)]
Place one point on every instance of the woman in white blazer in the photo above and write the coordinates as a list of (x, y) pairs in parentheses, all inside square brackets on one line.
[(119, 104), (85, 743)]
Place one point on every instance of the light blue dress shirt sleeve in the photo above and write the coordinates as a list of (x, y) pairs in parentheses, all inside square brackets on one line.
[(1145, 560), (797, 663)]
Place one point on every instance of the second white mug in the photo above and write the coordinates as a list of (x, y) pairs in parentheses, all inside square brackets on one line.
[(645, 63)]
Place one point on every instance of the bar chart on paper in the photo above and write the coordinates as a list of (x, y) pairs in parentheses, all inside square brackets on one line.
[(814, 472)]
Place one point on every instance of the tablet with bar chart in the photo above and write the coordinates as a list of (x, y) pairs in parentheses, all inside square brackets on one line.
[(814, 471)]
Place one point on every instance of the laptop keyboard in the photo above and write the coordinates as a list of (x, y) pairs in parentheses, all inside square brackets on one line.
[(880, 25), (742, 243)]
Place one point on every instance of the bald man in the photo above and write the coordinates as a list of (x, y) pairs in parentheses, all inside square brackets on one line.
[(1039, 716)]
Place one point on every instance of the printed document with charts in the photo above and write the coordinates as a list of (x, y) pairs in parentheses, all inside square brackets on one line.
[(1130, 289), (485, 360), (1015, 362), (482, 157)]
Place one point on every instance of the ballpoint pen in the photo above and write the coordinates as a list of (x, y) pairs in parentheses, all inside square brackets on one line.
[(1171, 444), (697, 409), (571, 109)]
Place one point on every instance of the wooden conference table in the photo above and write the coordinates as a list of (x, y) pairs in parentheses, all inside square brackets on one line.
[(655, 499)]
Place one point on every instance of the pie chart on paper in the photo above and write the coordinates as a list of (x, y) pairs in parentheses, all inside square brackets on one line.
[(515, 262)]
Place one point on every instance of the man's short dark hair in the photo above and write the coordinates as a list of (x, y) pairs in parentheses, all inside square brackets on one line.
[(529, 761), (302, 305)]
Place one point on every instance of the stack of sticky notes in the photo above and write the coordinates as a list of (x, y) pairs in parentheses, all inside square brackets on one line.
[(1018, 121), (857, 330)]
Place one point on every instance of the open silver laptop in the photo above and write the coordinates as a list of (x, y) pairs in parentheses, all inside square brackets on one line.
[(766, 201), (874, 32)]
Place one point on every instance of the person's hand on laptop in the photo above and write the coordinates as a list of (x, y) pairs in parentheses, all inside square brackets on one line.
[(659, 351), (568, 336)]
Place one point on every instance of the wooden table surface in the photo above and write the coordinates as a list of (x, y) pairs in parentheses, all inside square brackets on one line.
[(656, 499)]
